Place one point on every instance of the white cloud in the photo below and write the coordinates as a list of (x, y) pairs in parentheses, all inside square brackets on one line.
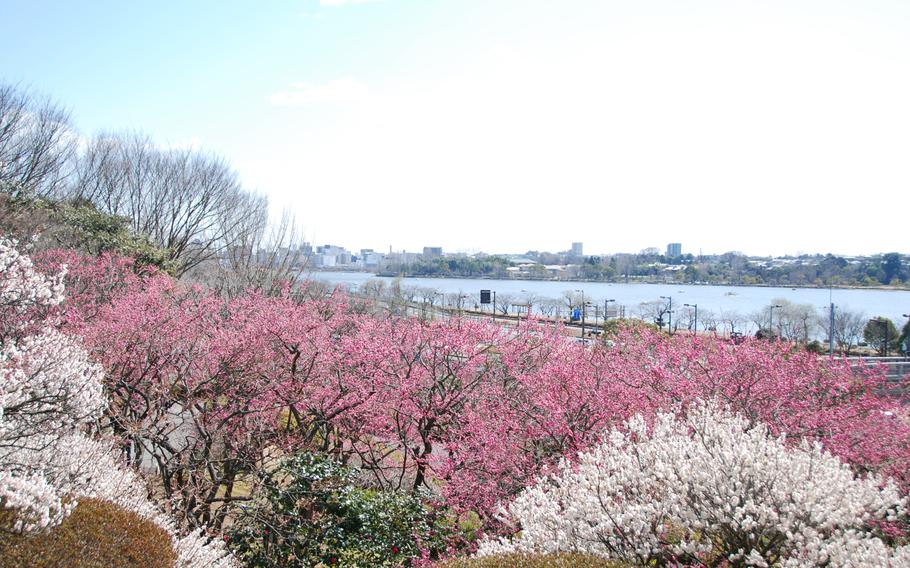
[(343, 90)]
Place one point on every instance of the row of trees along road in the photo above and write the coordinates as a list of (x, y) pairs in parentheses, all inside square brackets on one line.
[(186, 201)]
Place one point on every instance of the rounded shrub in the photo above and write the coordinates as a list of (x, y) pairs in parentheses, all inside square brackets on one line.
[(97, 534), (311, 512)]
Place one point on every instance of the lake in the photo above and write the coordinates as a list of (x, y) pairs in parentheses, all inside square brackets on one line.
[(742, 299)]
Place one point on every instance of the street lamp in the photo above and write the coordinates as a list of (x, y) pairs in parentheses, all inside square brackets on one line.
[(771, 317), (669, 313), (582, 313), (696, 315)]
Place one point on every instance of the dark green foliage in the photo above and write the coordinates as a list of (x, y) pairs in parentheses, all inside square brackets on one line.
[(881, 334), (815, 346), (492, 266), (97, 534), (560, 560), (311, 513), (892, 267), (96, 232), (616, 326), (902, 341), (77, 225)]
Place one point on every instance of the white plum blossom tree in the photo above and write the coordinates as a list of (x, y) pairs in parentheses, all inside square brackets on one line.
[(710, 490), (47, 388), (49, 392)]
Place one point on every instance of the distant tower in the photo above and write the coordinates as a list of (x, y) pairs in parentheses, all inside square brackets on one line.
[(674, 250), (577, 249)]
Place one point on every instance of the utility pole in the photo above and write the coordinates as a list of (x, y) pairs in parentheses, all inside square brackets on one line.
[(831, 330), (582, 313), (583, 317), (669, 313)]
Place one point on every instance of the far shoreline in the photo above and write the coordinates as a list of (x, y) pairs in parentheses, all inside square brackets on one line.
[(879, 287)]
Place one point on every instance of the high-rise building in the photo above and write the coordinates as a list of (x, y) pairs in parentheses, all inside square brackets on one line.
[(577, 249), (674, 250)]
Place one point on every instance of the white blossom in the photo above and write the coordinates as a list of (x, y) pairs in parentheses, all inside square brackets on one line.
[(23, 288), (36, 501), (707, 485)]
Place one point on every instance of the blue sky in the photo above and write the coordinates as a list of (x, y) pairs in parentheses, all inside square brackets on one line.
[(769, 127)]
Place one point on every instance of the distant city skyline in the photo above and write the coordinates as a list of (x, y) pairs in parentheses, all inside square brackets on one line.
[(671, 251), (770, 128)]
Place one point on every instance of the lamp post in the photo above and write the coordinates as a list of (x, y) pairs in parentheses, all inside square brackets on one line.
[(695, 327), (583, 310), (669, 313), (771, 317)]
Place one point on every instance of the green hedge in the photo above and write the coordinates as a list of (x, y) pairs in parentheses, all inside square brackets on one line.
[(311, 512)]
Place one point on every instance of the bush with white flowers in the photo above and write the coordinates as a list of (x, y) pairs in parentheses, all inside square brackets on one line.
[(49, 389), (707, 489)]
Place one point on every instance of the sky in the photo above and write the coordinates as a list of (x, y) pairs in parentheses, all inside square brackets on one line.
[(766, 127)]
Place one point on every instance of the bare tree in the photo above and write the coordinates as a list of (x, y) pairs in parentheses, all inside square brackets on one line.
[(456, 300), (504, 302), (797, 321), (373, 288), (654, 311), (530, 298), (571, 299), (37, 142), (708, 320), (792, 322), (549, 307), (733, 321), (264, 257), (408, 293), (762, 319), (428, 295), (186, 201), (428, 298), (848, 326), (685, 318), (400, 299)]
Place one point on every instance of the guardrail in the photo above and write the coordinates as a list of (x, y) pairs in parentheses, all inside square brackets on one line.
[(897, 372)]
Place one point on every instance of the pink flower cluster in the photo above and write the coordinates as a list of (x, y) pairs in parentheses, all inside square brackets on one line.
[(209, 390)]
